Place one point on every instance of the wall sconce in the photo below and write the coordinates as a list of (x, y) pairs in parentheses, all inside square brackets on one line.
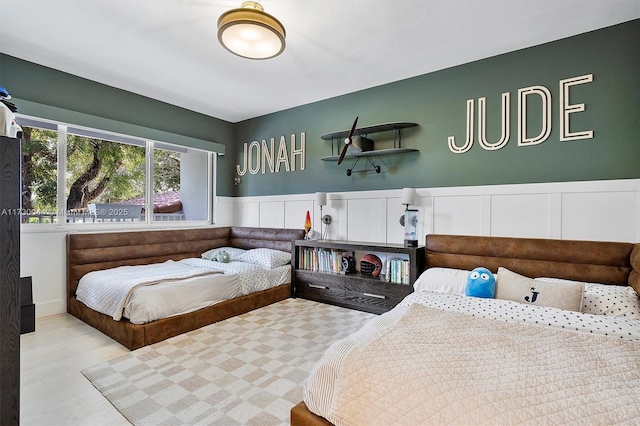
[(410, 218), (321, 200)]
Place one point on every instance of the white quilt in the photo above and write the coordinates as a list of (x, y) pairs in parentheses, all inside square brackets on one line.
[(108, 291), (448, 359)]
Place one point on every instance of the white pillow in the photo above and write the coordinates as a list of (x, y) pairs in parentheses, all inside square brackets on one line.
[(607, 300), (442, 280), (213, 253), (265, 257), (518, 288)]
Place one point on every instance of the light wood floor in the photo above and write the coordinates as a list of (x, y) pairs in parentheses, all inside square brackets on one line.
[(53, 390)]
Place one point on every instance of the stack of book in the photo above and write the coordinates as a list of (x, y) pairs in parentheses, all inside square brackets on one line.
[(321, 259), (398, 270)]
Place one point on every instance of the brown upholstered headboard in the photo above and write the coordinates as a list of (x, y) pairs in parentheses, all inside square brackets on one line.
[(589, 261), (92, 252)]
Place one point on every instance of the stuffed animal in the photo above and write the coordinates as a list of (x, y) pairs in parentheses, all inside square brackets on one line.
[(480, 283), (223, 257)]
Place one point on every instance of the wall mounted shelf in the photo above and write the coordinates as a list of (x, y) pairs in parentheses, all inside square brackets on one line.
[(337, 141), (363, 131), (374, 153)]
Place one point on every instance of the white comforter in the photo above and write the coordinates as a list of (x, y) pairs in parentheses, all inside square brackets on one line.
[(429, 361), (150, 292), (109, 290)]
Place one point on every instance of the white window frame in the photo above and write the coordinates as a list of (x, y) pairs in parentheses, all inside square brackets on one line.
[(149, 145)]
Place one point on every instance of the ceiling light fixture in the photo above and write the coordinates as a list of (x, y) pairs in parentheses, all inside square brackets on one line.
[(250, 32)]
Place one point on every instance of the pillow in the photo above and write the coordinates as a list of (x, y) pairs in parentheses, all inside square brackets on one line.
[(607, 300), (442, 280), (213, 253), (480, 283), (265, 257), (518, 288)]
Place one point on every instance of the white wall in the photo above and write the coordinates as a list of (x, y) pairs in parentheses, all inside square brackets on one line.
[(42, 256), (595, 210)]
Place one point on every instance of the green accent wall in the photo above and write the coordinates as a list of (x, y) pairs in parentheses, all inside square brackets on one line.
[(47, 93), (437, 102)]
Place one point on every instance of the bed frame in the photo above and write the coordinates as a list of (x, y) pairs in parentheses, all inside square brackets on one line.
[(589, 261), (92, 252)]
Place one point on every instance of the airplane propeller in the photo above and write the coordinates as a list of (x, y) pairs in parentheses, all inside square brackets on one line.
[(347, 142)]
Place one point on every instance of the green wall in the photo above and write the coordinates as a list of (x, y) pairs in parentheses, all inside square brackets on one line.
[(47, 93), (437, 102)]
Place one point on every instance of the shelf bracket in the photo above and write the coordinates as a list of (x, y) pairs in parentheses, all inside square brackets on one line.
[(397, 136)]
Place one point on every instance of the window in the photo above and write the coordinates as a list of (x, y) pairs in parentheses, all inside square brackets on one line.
[(102, 178), (186, 179), (106, 177), (39, 174)]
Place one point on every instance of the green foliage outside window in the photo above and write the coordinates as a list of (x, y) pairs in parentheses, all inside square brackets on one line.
[(39, 170), (103, 171), (166, 171), (98, 171)]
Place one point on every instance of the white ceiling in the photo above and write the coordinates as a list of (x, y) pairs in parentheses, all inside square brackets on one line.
[(168, 49)]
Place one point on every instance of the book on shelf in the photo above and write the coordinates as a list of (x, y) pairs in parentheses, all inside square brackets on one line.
[(318, 259), (398, 270)]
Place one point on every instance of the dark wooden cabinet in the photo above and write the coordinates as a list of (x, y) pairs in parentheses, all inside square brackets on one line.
[(9, 281), (326, 283)]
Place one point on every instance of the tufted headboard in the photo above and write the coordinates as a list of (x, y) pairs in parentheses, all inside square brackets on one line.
[(96, 251), (589, 261)]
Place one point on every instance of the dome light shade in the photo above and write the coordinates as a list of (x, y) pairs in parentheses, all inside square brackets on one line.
[(250, 32)]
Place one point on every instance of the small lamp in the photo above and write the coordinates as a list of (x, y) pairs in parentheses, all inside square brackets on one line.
[(321, 200), (307, 225), (410, 218)]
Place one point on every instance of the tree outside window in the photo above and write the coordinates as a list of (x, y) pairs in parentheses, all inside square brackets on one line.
[(98, 171), (39, 175)]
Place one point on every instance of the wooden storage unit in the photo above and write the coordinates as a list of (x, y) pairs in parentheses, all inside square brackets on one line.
[(9, 281), (356, 291), (27, 307)]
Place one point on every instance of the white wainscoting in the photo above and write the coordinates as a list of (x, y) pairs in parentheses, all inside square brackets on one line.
[(593, 210)]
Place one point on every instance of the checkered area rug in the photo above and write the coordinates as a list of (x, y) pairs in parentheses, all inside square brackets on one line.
[(247, 370)]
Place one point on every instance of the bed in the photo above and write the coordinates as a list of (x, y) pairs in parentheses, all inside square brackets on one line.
[(441, 357), (89, 252)]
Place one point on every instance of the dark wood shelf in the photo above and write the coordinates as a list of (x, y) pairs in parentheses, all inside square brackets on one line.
[(354, 290)]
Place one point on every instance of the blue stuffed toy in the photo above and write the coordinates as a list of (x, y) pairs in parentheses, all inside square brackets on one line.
[(480, 283)]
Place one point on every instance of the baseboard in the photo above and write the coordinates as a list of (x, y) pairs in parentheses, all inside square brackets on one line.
[(53, 307)]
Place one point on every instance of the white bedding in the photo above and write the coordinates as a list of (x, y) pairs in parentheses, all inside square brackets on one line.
[(253, 277), (109, 290), (392, 387), (171, 298), (214, 282)]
